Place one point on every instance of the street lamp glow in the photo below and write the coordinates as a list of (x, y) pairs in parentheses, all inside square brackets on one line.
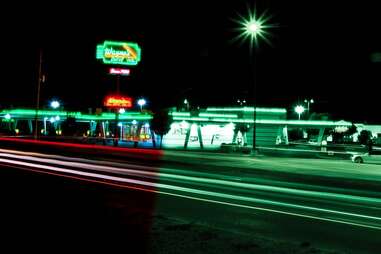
[(141, 103), (253, 27), (55, 104), (308, 104), (299, 110)]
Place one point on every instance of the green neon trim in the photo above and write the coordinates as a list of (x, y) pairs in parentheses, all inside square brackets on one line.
[(111, 116), (191, 119), (217, 115), (250, 109), (283, 122), (142, 117), (17, 113), (28, 112), (179, 113)]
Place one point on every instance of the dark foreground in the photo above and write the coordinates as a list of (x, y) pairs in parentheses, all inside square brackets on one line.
[(50, 213)]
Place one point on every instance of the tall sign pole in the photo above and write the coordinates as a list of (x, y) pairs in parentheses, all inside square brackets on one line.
[(38, 96), (118, 53)]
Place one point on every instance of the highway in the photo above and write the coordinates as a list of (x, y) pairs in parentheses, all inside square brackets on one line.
[(203, 188)]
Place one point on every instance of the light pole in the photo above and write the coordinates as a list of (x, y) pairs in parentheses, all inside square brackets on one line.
[(299, 110), (252, 28), (308, 104), (38, 95), (186, 102), (141, 103)]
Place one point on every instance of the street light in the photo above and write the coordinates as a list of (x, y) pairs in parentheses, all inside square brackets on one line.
[(252, 28), (186, 102), (299, 110), (54, 104), (308, 104), (141, 103)]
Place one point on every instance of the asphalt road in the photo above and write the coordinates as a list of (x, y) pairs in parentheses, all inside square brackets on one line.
[(240, 194)]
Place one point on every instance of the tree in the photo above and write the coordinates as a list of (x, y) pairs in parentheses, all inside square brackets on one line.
[(351, 130), (364, 137), (161, 124)]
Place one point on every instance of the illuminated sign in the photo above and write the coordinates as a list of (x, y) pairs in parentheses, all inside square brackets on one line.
[(123, 53), (119, 71), (118, 102)]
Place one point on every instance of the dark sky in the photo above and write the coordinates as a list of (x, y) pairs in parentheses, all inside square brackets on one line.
[(319, 50)]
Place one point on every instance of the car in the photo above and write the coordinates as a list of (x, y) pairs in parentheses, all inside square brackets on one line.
[(373, 156)]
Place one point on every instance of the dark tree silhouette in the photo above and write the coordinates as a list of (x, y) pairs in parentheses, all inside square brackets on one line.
[(364, 137), (161, 123)]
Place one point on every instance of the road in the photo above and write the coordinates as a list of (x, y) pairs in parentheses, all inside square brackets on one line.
[(203, 188)]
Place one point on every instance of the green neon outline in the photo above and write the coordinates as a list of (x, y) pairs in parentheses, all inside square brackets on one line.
[(179, 113), (249, 109), (284, 122), (217, 115), (19, 113), (118, 43)]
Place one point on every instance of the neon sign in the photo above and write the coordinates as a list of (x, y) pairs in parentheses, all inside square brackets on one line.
[(123, 53), (118, 102), (119, 71)]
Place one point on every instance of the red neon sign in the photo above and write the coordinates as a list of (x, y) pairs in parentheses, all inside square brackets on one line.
[(118, 102), (119, 71)]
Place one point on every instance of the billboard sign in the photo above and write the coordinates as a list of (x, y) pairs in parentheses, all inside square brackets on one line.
[(123, 53), (119, 71), (116, 101)]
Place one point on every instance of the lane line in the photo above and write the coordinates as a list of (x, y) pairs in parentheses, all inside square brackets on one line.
[(198, 192), (155, 175)]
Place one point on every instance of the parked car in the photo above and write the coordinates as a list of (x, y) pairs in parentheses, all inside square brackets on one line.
[(373, 156)]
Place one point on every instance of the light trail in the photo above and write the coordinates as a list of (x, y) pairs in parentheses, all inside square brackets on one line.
[(154, 173), (159, 187)]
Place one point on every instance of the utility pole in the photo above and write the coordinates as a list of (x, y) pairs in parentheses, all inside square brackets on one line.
[(116, 134), (38, 96)]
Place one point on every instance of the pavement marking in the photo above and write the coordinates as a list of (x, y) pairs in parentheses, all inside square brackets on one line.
[(210, 194)]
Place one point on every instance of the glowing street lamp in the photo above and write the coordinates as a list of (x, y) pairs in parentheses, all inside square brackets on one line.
[(141, 103), (186, 103), (308, 104), (55, 104), (252, 28), (299, 110)]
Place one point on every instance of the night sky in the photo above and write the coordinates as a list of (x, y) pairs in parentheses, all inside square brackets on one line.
[(318, 50)]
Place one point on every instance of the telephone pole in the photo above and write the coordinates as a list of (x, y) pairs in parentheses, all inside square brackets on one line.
[(38, 96)]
